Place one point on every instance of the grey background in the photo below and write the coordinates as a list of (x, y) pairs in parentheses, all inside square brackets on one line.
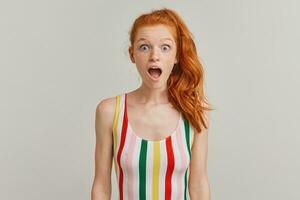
[(59, 59)]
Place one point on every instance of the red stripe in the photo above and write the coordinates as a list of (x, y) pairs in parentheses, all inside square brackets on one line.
[(170, 168), (123, 136)]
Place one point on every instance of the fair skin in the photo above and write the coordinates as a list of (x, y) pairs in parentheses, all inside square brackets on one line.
[(154, 45)]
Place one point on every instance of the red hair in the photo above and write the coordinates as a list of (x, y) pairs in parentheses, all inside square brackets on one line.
[(185, 83)]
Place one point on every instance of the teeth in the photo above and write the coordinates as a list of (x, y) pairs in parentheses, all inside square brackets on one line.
[(154, 68)]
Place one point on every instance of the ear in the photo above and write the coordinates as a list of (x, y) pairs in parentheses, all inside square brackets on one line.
[(130, 50)]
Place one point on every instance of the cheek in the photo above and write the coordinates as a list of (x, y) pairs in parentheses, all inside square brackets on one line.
[(140, 63), (141, 60), (170, 62), (140, 56)]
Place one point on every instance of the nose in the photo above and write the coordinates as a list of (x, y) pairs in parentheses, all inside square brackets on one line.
[(154, 56)]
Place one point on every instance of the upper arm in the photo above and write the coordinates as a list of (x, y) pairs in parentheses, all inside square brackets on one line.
[(104, 115), (199, 154)]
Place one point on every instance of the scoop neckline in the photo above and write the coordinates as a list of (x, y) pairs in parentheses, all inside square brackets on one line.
[(144, 139)]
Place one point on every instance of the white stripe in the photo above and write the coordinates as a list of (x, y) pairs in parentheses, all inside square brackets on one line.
[(162, 169), (135, 166), (149, 170), (188, 172), (177, 166), (124, 167), (182, 129)]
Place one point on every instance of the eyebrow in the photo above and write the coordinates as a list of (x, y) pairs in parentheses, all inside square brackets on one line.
[(142, 39)]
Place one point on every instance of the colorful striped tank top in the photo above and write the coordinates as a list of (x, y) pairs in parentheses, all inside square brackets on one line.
[(148, 169)]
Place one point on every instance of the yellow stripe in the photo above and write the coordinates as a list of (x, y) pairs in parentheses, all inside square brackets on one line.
[(156, 166), (115, 129)]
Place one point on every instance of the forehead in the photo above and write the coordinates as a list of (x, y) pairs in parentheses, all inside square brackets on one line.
[(154, 33)]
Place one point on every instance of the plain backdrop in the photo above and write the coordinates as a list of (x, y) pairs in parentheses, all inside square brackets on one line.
[(59, 59)]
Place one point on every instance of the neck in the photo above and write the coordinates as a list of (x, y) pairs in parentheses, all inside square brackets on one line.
[(152, 96)]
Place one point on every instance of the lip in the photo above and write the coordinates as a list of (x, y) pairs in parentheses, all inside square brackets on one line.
[(152, 78), (154, 66)]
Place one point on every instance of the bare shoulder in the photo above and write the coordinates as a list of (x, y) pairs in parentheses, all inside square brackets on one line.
[(105, 111), (200, 139), (104, 115), (199, 156)]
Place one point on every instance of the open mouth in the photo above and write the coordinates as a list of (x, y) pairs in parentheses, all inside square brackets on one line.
[(155, 72)]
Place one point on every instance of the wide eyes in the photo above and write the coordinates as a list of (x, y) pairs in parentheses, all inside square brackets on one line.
[(146, 47), (166, 47)]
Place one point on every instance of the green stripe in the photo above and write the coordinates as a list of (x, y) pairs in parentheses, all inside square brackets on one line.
[(185, 184), (187, 137), (142, 170)]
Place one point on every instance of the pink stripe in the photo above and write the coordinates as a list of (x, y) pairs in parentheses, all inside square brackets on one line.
[(129, 164), (180, 183)]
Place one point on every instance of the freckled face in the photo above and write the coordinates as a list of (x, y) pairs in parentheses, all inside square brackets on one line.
[(154, 46)]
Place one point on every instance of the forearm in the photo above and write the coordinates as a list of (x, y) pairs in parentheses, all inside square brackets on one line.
[(201, 191)]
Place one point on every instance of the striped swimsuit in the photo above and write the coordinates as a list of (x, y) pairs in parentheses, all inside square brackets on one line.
[(148, 169)]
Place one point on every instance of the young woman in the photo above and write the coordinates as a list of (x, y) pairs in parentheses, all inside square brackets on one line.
[(157, 134)]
